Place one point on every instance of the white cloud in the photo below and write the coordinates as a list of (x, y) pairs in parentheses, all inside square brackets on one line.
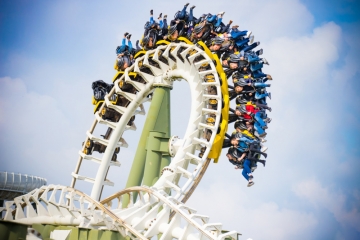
[(303, 66), (295, 21), (239, 209), (334, 201), (36, 137)]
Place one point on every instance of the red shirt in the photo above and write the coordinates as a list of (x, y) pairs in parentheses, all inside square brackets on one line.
[(249, 108), (246, 116)]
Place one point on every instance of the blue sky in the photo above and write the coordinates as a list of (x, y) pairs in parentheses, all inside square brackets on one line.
[(51, 51)]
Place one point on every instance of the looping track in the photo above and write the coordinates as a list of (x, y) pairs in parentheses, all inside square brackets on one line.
[(155, 211)]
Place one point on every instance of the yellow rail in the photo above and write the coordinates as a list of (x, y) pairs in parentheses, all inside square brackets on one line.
[(219, 138)]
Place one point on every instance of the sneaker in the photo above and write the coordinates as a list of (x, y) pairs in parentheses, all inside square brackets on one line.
[(265, 61), (151, 12), (248, 34), (253, 169), (251, 39), (269, 77), (128, 37), (263, 140), (160, 16), (263, 149), (260, 52), (230, 22), (125, 34), (269, 108), (265, 127), (268, 120), (263, 135), (165, 16), (187, 4), (193, 7), (235, 26), (221, 13), (250, 183), (269, 95)]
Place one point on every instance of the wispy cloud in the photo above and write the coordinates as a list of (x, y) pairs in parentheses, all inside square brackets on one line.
[(344, 206)]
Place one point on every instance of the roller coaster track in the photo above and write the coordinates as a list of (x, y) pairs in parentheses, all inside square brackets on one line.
[(166, 64), (147, 217), (159, 209)]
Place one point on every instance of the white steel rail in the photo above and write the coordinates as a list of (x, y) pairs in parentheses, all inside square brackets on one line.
[(191, 68), (143, 219), (154, 211)]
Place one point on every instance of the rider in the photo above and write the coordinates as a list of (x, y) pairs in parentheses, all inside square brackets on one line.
[(238, 158), (215, 20), (185, 20), (148, 42), (202, 32), (215, 45), (248, 112), (100, 89), (123, 48)]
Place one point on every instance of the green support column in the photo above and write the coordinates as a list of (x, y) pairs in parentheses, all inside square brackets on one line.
[(12, 231), (157, 155), (153, 157), (157, 120)]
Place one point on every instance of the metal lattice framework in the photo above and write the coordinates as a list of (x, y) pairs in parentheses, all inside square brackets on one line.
[(159, 209)]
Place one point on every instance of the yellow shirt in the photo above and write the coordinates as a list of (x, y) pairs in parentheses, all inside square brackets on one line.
[(247, 133)]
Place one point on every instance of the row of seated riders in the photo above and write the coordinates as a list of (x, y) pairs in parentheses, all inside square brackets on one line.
[(241, 63)]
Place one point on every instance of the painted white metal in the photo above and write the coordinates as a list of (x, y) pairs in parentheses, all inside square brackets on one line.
[(174, 144), (163, 76), (155, 211), (59, 234), (184, 149), (114, 139), (143, 219), (15, 184)]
